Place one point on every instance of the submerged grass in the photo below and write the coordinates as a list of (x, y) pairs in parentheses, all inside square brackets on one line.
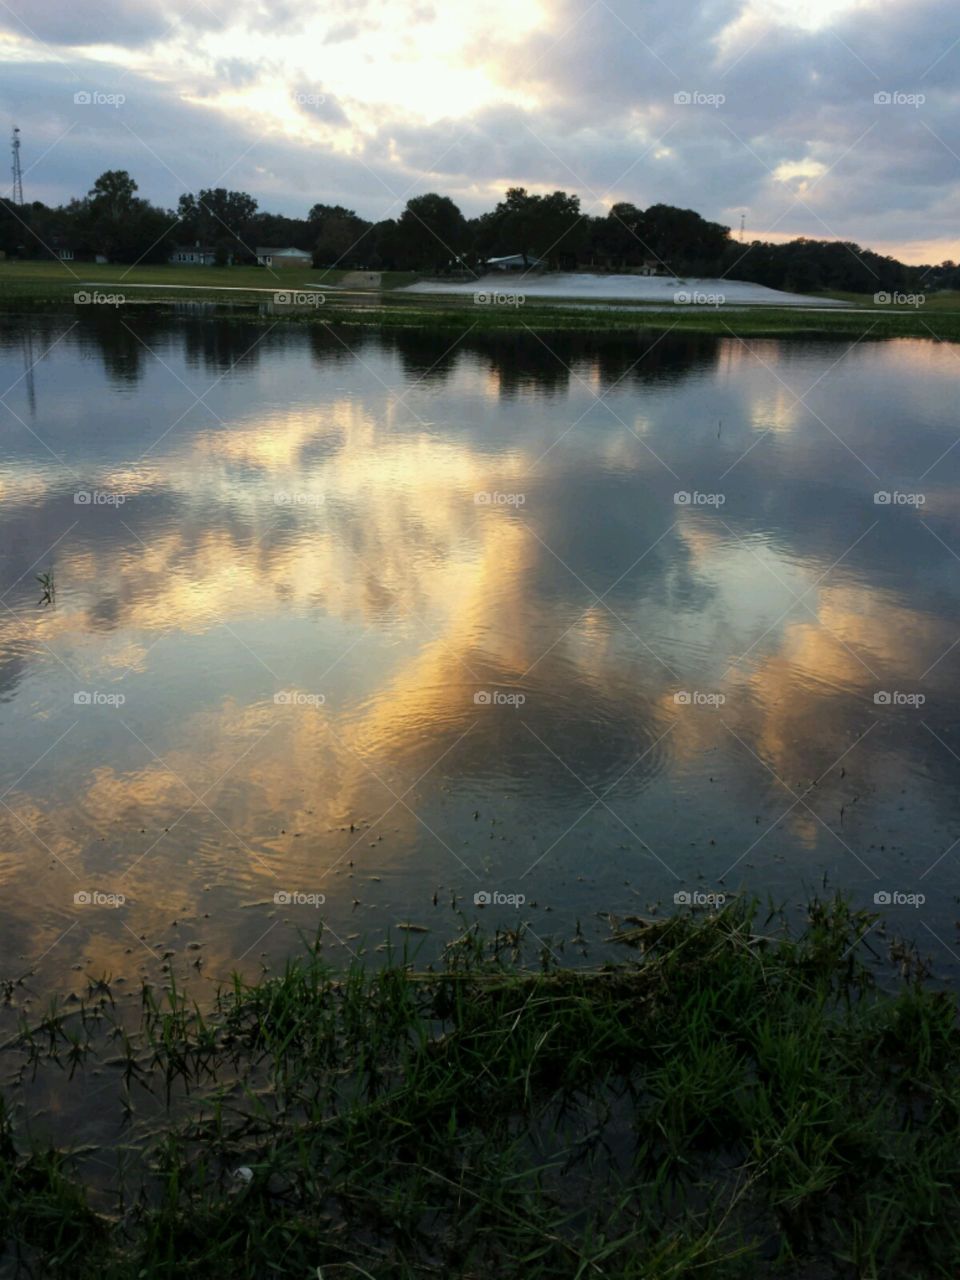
[(729, 1101)]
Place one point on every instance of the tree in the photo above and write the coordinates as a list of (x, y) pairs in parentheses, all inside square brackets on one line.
[(430, 232), (550, 227), (114, 221), (683, 240), (339, 236), (217, 215)]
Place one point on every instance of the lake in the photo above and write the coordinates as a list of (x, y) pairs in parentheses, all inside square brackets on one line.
[(379, 630)]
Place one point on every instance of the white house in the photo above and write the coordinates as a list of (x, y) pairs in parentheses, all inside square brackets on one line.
[(268, 257), (196, 255)]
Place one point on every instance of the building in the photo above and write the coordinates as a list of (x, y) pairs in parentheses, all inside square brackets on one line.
[(195, 255), (515, 262), (268, 257)]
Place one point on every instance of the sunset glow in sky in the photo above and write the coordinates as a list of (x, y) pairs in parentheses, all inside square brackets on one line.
[(366, 104)]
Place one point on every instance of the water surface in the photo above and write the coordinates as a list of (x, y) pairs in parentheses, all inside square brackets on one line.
[(397, 620)]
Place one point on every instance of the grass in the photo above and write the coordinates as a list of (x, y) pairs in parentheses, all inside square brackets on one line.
[(55, 281), (728, 1101), (26, 283)]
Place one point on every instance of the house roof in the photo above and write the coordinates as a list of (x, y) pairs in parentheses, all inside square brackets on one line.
[(264, 251)]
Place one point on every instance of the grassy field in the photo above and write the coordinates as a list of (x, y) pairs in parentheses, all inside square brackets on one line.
[(236, 290), (55, 281), (728, 1101)]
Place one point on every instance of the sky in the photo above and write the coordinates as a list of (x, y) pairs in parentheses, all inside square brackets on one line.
[(834, 119)]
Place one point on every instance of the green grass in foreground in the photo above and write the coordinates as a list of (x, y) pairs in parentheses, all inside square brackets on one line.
[(729, 1102)]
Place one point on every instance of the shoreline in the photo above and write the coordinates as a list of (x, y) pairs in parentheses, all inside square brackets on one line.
[(390, 312), (328, 299)]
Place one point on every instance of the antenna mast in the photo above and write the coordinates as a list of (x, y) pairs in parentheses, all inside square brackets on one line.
[(17, 173), (743, 223)]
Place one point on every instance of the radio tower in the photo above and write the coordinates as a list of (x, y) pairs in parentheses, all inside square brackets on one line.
[(743, 223), (17, 174)]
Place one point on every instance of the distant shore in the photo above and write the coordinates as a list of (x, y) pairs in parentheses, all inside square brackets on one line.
[(314, 296)]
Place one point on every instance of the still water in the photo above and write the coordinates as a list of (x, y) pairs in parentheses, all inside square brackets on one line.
[(351, 628)]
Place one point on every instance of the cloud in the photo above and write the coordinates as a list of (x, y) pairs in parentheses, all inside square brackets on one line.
[(781, 120), (134, 23)]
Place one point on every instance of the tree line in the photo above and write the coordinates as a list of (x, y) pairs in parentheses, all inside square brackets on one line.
[(433, 235)]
